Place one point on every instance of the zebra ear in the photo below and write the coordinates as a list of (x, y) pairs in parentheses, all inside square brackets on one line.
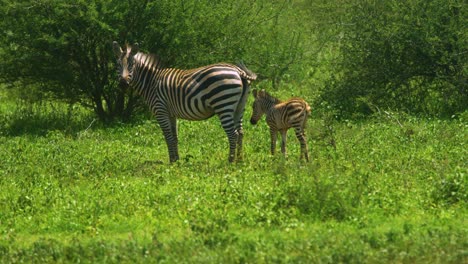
[(117, 50), (262, 92), (254, 92), (135, 49)]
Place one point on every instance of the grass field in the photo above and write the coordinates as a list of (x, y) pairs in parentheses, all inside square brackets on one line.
[(392, 189)]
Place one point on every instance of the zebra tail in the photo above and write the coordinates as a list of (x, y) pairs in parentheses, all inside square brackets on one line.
[(308, 109), (246, 73)]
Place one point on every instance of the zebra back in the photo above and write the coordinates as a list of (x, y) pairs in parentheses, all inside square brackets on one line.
[(305, 106)]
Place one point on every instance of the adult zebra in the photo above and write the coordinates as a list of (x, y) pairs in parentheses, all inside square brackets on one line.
[(196, 94)]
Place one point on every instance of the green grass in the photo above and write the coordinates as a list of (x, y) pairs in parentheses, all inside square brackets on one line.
[(389, 189)]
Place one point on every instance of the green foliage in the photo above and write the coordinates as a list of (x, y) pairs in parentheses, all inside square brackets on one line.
[(390, 189), (407, 55), (352, 56), (65, 48), (451, 188), (192, 33)]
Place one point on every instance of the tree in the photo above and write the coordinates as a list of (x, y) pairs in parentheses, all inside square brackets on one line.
[(66, 46), (409, 55)]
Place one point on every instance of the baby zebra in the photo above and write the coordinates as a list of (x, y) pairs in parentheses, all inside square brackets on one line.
[(280, 116)]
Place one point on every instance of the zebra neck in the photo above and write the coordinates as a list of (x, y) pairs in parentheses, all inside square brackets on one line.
[(146, 74), (143, 82), (271, 102)]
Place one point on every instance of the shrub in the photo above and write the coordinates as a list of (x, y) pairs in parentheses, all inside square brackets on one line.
[(402, 55)]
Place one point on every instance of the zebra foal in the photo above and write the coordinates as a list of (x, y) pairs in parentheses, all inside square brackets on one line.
[(280, 116), (195, 94)]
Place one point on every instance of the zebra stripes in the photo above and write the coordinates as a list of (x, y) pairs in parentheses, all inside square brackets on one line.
[(280, 116), (196, 94)]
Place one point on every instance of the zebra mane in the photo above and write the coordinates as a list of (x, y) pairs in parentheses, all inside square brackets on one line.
[(148, 60), (264, 94)]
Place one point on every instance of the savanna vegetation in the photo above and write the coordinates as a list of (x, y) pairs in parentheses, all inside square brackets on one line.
[(84, 175)]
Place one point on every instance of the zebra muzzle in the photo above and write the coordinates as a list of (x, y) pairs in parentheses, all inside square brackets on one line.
[(123, 82)]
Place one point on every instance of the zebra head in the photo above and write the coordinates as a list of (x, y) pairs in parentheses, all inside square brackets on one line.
[(258, 106), (125, 62)]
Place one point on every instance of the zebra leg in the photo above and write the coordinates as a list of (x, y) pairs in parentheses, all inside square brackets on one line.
[(302, 140), (240, 136), (232, 137), (306, 148), (228, 125), (283, 141), (168, 126), (175, 138), (274, 136), (238, 116)]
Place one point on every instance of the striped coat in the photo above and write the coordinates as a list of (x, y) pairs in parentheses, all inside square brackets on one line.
[(280, 116), (196, 94)]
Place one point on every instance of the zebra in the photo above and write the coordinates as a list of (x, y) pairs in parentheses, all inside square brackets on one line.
[(195, 94), (280, 116)]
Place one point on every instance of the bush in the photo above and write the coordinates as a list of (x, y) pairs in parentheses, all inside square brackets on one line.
[(403, 55), (68, 53)]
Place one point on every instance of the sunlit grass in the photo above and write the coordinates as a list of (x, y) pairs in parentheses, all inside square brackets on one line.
[(374, 191)]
